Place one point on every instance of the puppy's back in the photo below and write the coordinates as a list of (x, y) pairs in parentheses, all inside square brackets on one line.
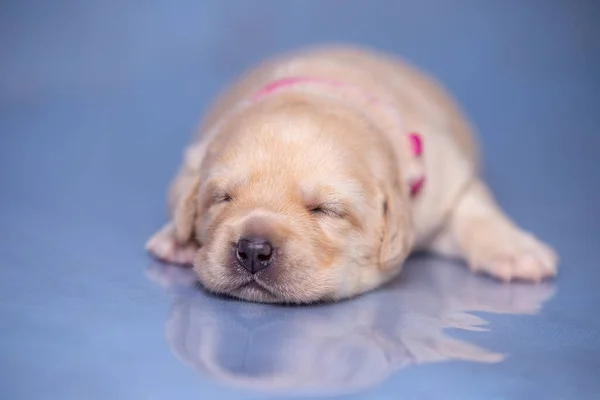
[(416, 95)]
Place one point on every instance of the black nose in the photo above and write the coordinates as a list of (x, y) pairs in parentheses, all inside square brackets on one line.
[(254, 254)]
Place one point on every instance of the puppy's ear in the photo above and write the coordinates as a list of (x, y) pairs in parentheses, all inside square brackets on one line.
[(397, 238), (185, 212), (183, 194)]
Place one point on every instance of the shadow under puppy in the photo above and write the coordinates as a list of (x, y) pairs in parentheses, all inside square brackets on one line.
[(316, 174), (358, 344)]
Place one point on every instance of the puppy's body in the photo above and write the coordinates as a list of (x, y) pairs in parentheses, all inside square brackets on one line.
[(334, 139)]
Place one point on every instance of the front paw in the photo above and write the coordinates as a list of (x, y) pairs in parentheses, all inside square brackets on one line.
[(510, 254), (163, 246)]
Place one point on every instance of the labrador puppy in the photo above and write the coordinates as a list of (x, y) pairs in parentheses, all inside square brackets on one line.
[(315, 175)]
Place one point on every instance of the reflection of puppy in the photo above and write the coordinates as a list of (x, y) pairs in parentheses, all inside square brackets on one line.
[(338, 347), (318, 172)]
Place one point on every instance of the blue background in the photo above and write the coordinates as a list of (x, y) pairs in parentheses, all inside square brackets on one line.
[(98, 98)]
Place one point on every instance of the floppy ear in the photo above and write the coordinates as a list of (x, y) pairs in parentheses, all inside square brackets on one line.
[(185, 211), (397, 235), (183, 194)]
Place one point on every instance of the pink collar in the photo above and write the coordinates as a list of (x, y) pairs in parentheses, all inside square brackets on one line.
[(414, 138)]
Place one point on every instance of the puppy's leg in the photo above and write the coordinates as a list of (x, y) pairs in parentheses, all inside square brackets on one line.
[(164, 246), (481, 233)]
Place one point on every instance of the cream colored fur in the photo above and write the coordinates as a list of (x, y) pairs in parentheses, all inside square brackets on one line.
[(312, 144)]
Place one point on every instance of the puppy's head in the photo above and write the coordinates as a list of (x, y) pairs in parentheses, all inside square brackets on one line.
[(297, 202)]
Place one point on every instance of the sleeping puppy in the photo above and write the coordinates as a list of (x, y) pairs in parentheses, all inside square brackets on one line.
[(315, 175)]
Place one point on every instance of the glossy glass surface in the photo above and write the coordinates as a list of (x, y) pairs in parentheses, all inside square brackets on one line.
[(97, 100)]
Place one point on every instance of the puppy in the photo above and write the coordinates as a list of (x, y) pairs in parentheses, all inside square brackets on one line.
[(315, 175)]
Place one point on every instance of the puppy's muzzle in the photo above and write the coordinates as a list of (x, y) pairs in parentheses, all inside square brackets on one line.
[(254, 254)]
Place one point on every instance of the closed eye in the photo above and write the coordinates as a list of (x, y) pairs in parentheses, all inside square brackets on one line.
[(325, 211), (222, 197)]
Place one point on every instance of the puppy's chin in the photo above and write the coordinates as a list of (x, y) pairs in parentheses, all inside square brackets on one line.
[(259, 292), (255, 290)]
